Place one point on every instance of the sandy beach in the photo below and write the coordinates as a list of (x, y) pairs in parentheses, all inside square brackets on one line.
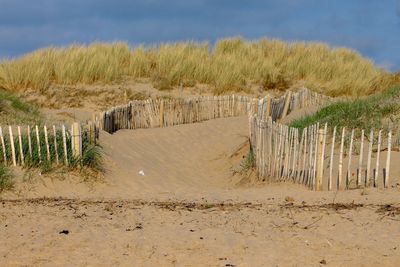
[(192, 207)]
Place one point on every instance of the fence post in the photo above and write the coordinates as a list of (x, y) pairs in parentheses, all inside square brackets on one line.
[(360, 159), (46, 139), (38, 143), (368, 174), (287, 103), (377, 159), (331, 159), (349, 174), (64, 137), (340, 169), (97, 128), (21, 151), (387, 170), (91, 134), (55, 144), (162, 113), (267, 107), (3, 146), (321, 155), (29, 141), (12, 146), (76, 140)]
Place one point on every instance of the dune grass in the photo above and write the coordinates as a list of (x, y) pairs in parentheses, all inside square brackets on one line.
[(231, 65), (92, 154), (377, 111), (6, 178), (14, 110)]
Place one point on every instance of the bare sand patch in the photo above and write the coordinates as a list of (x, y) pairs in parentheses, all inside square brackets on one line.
[(62, 232)]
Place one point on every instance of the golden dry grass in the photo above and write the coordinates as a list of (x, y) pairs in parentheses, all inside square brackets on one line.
[(232, 65)]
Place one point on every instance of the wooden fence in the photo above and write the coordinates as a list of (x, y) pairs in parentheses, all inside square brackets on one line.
[(280, 107), (33, 146), (321, 158), (167, 112)]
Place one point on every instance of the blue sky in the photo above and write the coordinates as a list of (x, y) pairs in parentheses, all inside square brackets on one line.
[(370, 26)]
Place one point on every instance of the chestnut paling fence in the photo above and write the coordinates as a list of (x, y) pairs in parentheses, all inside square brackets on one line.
[(321, 158), (168, 112), (316, 156), (38, 145)]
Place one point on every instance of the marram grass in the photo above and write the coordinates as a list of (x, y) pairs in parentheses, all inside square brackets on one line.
[(378, 111), (14, 110), (37, 157), (6, 178), (231, 65)]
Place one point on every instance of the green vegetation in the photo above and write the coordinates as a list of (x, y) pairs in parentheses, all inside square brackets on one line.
[(13, 110), (91, 153), (231, 65), (380, 110), (249, 161), (92, 157), (6, 178)]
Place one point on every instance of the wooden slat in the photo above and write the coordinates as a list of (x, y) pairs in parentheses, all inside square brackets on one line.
[(29, 142), (349, 174), (387, 170), (46, 140), (12, 146), (38, 143), (55, 144), (320, 160), (3, 146), (360, 159), (377, 159), (331, 159), (65, 145), (340, 169), (368, 174), (21, 151)]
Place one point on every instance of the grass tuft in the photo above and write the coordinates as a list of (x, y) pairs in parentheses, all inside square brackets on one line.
[(13, 110), (6, 178), (92, 157), (249, 161)]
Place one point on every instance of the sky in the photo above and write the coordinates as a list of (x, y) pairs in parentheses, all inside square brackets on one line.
[(372, 27)]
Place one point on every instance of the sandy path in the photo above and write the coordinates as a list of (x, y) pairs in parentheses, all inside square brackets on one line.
[(189, 161), (189, 211), (175, 160)]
